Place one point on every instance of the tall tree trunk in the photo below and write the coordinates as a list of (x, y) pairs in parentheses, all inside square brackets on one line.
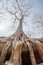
[(19, 35)]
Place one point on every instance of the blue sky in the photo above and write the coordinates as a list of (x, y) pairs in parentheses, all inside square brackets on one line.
[(5, 21), (38, 6)]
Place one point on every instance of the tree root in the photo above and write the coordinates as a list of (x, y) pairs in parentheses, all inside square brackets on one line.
[(4, 52)]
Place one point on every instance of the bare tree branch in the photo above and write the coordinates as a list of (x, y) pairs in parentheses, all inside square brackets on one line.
[(18, 6), (38, 19)]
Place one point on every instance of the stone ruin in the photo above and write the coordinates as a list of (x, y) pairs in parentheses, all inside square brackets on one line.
[(28, 52)]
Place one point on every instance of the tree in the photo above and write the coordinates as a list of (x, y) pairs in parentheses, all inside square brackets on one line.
[(38, 18), (21, 9)]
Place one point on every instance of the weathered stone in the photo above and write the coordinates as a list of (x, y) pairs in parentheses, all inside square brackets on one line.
[(11, 63)]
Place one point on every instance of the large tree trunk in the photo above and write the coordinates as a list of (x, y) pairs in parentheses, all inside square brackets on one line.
[(19, 36)]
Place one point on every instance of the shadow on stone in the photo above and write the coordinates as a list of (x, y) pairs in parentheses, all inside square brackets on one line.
[(26, 58), (8, 55)]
